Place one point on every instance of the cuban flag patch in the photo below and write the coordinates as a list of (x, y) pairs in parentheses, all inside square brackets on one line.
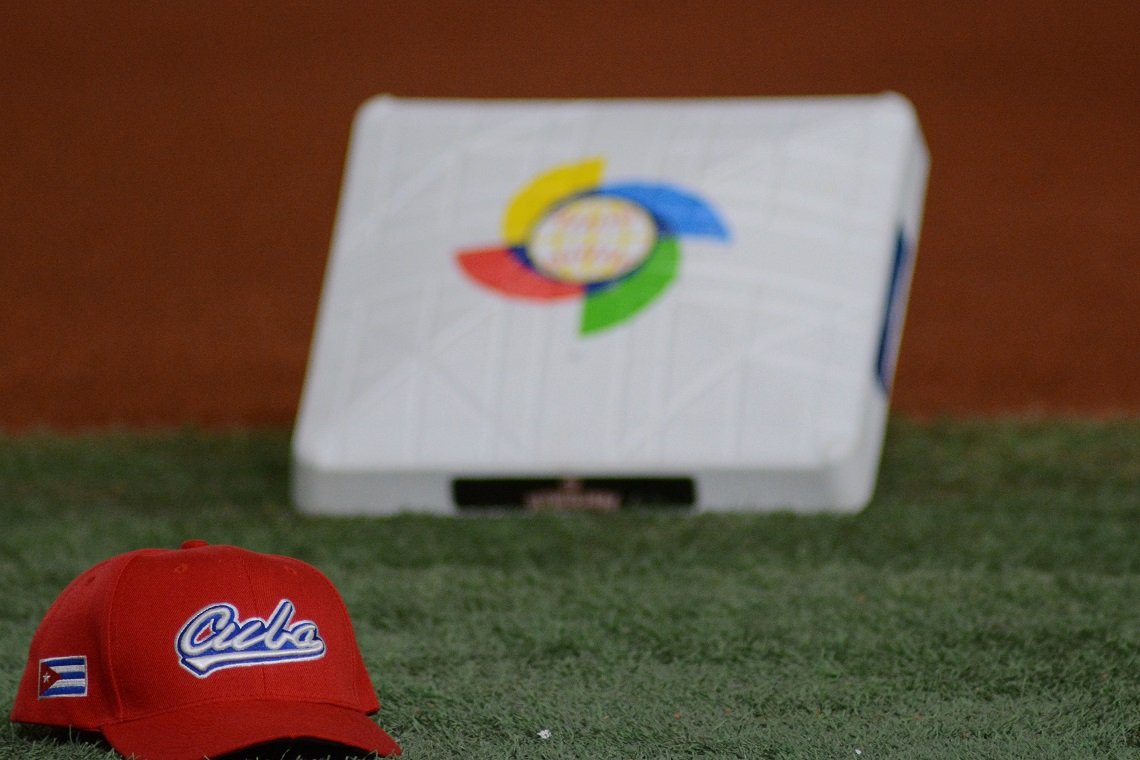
[(63, 677)]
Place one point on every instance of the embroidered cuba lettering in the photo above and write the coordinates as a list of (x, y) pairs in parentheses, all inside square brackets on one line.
[(216, 637)]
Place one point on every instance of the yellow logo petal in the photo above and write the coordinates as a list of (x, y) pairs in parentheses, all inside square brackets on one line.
[(547, 188)]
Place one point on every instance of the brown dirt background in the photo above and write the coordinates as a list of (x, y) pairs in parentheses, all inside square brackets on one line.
[(169, 175)]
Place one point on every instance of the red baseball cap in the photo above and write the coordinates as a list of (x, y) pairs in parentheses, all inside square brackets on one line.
[(201, 651)]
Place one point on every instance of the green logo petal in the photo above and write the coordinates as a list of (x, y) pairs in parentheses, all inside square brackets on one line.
[(616, 303)]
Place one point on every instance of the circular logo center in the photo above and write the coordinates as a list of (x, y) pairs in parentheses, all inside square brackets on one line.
[(592, 239)]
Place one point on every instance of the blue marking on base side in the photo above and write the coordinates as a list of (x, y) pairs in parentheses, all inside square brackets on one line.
[(893, 315)]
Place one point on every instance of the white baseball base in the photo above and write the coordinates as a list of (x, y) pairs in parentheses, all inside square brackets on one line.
[(598, 304)]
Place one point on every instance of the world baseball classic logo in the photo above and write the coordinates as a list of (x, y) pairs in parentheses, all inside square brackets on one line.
[(615, 246)]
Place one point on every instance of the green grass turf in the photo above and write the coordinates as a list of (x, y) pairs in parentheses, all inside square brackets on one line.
[(986, 604)]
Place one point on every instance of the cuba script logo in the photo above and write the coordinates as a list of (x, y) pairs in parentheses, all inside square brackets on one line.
[(216, 638)]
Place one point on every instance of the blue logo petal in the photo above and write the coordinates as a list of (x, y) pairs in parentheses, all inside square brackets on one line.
[(677, 212)]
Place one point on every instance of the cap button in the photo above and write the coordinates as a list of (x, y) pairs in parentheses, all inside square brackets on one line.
[(194, 543)]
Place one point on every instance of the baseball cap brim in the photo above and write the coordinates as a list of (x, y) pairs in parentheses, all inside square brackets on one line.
[(218, 728)]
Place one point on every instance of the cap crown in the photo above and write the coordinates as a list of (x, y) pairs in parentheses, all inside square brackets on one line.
[(155, 630)]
